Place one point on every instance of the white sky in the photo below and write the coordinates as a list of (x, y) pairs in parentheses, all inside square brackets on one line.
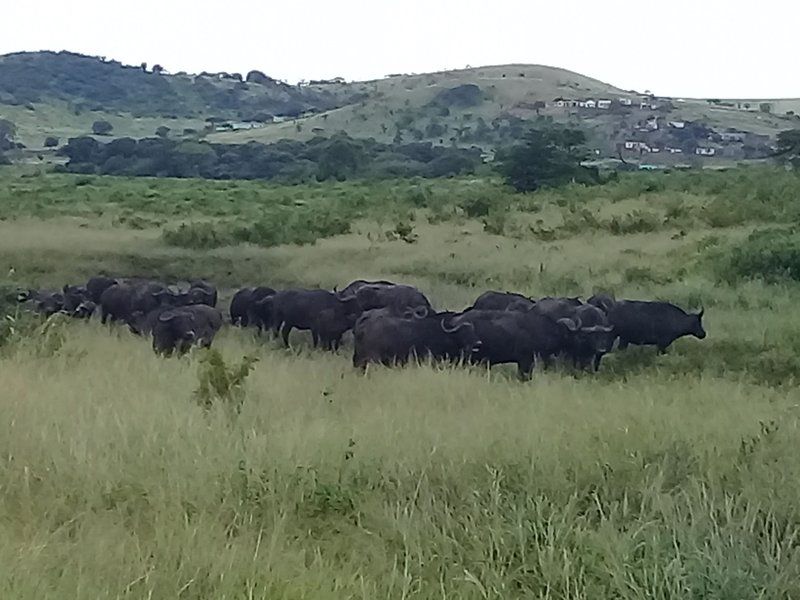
[(690, 48)]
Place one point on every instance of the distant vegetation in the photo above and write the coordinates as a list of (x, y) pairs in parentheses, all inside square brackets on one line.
[(96, 84), (547, 157), (339, 157)]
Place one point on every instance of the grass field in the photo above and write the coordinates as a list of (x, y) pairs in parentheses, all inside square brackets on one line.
[(669, 476), (55, 118)]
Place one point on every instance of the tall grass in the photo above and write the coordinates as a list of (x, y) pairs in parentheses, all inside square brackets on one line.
[(422, 484), (126, 475)]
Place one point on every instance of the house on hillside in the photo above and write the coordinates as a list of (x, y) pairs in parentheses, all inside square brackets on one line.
[(590, 104), (604, 104), (626, 102), (701, 151), (733, 136), (672, 150), (564, 103), (635, 146), (677, 124)]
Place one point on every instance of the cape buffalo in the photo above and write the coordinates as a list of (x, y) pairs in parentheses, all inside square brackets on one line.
[(510, 336), (200, 292), (247, 307), (653, 323), (503, 301), (604, 302), (352, 288), (97, 285), (180, 328), (591, 337), (388, 339), (396, 297), (122, 301), (300, 309)]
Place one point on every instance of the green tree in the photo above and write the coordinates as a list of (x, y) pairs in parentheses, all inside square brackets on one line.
[(546, 157), (789, 146), (102, 128), (8, 132)]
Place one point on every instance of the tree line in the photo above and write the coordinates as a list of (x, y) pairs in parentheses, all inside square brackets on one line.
[(339, 157)]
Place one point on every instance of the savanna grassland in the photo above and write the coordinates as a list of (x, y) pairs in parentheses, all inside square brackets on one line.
[(672, 476)]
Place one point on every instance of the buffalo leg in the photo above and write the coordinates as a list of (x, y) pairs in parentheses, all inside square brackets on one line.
[(285, 334), (315, 339), (597, 359), (525, 369)]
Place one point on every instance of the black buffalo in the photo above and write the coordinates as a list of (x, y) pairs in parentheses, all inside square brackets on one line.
[(352, 288), (503, 301), (199, 292), (179, 328), (604, 302), (510, 336), (310, 310), (76, 296), (396, 297), (591, 336), (247, 307), (44, 302), (126, 301), (97, 285), (389, 339), (653, 323)]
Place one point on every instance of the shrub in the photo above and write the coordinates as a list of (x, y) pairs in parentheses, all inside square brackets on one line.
[(769, 254), (276, 226), (222, 384), (638, 221)]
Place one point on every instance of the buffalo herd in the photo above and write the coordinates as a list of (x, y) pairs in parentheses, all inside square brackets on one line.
[(390, 322)]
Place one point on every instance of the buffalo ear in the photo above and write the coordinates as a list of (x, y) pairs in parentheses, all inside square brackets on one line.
[(701, 313)]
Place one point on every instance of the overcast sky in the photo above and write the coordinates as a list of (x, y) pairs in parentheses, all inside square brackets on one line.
[(691, 48)]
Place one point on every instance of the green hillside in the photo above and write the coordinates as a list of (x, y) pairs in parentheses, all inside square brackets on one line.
[(426, 108)]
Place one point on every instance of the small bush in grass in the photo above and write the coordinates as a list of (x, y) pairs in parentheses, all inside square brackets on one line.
[(221, 383), (638, 221), (198, 236)]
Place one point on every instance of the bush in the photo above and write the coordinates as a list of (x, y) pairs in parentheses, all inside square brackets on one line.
[(769, 254), (102, 128), (638, 221), (276, 226)]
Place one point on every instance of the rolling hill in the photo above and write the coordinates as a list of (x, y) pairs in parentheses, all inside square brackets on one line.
[(61, 94)]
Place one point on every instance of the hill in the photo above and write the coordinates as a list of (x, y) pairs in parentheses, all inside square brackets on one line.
[(489, 107), (62, 94)]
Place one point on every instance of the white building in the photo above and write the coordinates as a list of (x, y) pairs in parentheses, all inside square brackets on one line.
[(604, 104)]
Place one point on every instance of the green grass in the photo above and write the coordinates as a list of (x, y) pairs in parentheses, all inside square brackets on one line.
[(55, 118), (669, 476)]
